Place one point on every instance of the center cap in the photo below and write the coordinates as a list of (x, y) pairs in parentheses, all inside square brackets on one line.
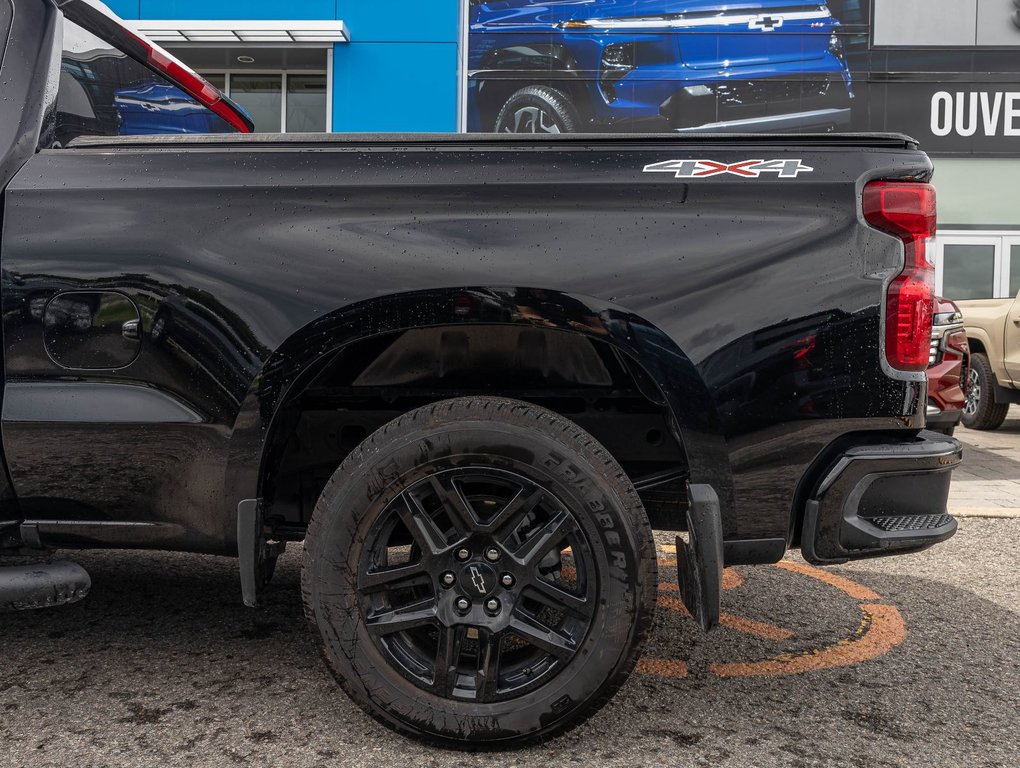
[(478, 580)]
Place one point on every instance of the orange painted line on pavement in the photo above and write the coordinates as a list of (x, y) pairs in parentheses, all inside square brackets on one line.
[(662, 667), (756, 628), (731, 579), (881, 630), (852, 588), (670, 603)]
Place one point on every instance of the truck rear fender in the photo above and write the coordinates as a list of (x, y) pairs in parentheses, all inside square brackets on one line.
[(667, 371)]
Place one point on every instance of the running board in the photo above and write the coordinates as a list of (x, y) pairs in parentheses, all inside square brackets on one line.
[(42, 585), (699, 561)]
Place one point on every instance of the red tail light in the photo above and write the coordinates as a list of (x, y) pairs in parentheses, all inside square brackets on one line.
[(196, 86), (101, 21), (906, 210)]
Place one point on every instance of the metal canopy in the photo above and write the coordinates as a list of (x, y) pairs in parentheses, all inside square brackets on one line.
[(240, 31)]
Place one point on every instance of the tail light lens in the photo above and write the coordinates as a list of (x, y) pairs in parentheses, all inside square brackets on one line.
[(101, 21), (196, 86), (907, 211)]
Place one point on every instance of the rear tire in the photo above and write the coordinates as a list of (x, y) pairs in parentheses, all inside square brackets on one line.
[(480, 572), (981, 411), (538, 109)]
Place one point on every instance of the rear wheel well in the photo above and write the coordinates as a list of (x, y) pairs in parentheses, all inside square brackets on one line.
[(373, 381), (494, 93)]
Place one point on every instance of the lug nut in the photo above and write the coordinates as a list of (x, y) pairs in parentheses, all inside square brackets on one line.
[(507, 580), (492, 605), (463, 604), (463, 554), (447, 579), (492, 554)]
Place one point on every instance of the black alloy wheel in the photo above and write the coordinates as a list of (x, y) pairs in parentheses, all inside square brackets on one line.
[(489, 595), (480, 572)]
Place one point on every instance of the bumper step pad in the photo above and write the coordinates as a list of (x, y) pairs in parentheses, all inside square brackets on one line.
[(910, 522)]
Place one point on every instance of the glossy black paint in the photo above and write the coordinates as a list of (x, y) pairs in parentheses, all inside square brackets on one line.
[(753, 307)]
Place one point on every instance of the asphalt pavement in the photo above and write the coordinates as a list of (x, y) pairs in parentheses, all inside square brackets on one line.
[(908, 661)]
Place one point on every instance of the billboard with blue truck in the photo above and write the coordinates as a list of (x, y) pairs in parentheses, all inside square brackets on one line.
[(558, 66), (944, 71)]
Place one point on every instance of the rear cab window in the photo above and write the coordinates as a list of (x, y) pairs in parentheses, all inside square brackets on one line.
[(105, 92)]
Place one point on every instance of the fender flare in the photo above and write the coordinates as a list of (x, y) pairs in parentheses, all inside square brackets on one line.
[(695, 418), (980, 334), (514, 61)]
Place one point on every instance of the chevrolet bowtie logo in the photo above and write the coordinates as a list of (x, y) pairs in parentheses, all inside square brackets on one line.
[(766, 23), (478, 580)]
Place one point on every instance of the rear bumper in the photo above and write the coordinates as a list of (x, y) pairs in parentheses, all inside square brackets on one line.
[(882, 499)]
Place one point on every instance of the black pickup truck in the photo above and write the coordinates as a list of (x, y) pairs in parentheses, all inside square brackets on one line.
[(470, 373)]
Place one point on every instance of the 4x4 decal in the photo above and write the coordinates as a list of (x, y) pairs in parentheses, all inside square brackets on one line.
[(748, 169)]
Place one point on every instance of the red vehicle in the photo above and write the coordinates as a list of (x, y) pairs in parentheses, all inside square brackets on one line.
[(948, 368)]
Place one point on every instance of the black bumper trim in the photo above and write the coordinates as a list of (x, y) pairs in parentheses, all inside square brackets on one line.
[(882, 499)]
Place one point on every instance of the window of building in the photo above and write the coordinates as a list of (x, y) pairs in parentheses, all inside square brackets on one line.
[(262, 96), (977, 265), (978, 253), (968, 271), (278, 101), (283, 89)]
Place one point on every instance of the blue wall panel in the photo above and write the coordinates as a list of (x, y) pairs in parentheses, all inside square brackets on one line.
[(238, 9), (398, 73), (395, 87), (386, 21), (126, 9)]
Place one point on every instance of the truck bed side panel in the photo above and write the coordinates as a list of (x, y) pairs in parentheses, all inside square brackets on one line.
[(770, 286)]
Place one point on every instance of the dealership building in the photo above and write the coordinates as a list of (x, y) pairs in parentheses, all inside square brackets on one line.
[(944, 71)]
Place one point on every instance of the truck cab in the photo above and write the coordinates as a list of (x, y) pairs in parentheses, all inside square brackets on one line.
[(680, 65)]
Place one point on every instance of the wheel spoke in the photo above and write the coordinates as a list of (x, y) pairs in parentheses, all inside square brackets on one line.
[(542, 636), (542, 539), (387, 578), (455, 505), (421, 527), (553, 596), (515, 509), (444, 676), (406, 617), (487, 674)]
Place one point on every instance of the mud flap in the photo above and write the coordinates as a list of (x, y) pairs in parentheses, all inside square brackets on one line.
[(256, 555), (699, 561), (249, 543)]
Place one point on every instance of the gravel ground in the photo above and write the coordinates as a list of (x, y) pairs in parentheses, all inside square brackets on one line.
[(161, 665)]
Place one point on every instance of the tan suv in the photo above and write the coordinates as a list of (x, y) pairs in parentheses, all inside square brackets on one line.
[(993, 330)]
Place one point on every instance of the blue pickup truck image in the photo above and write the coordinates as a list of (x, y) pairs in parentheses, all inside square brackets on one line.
[(562, 66)]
